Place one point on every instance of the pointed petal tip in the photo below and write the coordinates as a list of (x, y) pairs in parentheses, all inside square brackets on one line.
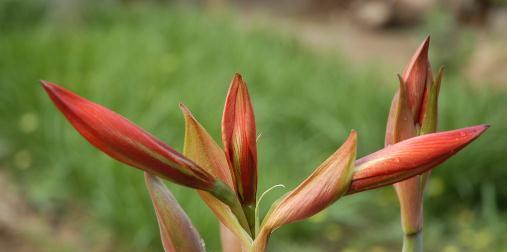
[(237, 80), (48, 86), (353, 135), (184, 109), (427, 40), (44, 83), (54, 91), (479, 129)]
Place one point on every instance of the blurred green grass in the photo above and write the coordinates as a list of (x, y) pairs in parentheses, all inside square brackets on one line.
[(141, 61)]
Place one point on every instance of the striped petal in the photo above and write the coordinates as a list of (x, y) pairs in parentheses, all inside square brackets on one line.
[(416, 76), (400, 123), (176, 230), (203, 150), (239, 139), (411, 157), (323, 187)]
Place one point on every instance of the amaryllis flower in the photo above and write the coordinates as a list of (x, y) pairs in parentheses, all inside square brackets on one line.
[(226, 178)]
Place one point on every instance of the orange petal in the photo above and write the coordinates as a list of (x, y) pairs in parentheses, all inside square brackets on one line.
[(239, 139), (176, 229), (400, 123), (324, 186), (410, 157), (203, 150), (126, 142)]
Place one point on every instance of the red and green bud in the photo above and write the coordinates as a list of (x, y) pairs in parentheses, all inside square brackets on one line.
[(422, 102), (239, 140), (202, 149)]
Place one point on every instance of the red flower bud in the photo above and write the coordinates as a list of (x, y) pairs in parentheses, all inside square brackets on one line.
[(411, 157), (126, 142), (239, 139)]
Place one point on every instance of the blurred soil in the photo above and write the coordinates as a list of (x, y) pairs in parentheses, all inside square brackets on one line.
[(341, 32), (23, 229)]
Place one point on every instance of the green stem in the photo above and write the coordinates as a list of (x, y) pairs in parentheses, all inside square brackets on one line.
[(413, 242), (225, 194), (249, 211)]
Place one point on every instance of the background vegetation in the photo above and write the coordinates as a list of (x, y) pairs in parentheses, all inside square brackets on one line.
[(141, 60)]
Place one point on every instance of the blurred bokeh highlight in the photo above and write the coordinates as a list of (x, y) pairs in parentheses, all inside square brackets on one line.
[(315, 70)]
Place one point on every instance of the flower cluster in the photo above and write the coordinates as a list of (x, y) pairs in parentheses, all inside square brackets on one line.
[(226, 177)]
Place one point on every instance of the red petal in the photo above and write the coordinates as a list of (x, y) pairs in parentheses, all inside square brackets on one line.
[(125, 141), (411, 157), (239, 139), (416, 75)]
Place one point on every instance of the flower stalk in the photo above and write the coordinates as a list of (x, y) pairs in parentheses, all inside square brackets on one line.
[(413, 242), (414, 112)]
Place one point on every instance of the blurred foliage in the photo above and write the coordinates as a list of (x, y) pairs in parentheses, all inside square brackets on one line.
[(142, 60)]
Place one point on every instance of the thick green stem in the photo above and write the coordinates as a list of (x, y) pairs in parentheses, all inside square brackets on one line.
[(223, 192), (413, 242), (249, 211)]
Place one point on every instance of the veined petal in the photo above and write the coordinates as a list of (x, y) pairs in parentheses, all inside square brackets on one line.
[(202, 149), (410, 157), (239, 139), (176, 230), (324, 186), (415, 77), (126, 142), (400, 123)]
